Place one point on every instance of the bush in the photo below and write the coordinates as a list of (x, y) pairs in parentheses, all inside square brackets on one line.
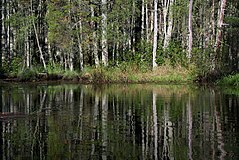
[(70, 75), (27, 75), (231, 80), (13, 67)]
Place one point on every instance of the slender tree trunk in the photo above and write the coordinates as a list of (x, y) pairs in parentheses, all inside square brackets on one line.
[(133, 29), (79, 37), (104, 33), (219, 31), (155, 42), (95, 46), (37, 38), (27, 51), (0, 38), (165, 4), (147, 20), (190, 35), (3, 49), (168, 27), (142, 20), (71, 55)]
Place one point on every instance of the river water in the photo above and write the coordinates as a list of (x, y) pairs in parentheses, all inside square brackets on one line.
[(71, 121)]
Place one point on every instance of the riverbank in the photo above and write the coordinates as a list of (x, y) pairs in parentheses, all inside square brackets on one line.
[(122, 74), (165, 74)]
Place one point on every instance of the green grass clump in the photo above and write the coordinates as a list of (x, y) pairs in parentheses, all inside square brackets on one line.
[(70, 75), (133, 73), (231, 80), (27, 75)]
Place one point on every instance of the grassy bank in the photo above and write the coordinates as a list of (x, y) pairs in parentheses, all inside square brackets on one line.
[(135, 74), (124, 73)]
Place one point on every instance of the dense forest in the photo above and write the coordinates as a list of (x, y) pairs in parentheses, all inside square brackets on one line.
[(74, 34)]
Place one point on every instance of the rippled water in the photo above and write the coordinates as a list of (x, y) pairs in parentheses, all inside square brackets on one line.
[(118, 122)]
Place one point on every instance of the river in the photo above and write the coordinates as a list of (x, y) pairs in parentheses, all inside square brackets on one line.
[(141, 121)]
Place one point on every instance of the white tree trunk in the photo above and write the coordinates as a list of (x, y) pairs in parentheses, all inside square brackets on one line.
[(155, 42), (147, 20), (142, 20), (165, 14), (27, 50), (104, 33), (190, 35), (168, 30), (37, 38), (95, 46), (79, 37), (220, 22)]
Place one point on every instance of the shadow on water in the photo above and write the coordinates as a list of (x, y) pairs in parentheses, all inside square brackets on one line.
[(118, 122)]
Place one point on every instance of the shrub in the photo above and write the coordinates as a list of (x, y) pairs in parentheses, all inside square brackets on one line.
[(27, 75), (231, 80)]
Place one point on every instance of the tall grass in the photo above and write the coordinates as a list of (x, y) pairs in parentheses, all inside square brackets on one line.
[(132, 73)]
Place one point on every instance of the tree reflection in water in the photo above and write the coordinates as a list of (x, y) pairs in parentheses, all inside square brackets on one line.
[(117, 122)]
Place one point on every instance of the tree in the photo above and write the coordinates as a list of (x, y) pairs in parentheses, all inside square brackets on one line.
[(155, 41), (190, 30), (220, 22), (104, 33)]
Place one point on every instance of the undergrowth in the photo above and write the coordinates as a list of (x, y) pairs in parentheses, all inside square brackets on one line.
[(231, 80)]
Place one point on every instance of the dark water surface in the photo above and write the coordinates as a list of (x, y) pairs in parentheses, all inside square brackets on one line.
[(118, 122)]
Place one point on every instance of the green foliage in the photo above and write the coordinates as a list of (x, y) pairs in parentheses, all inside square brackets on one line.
[(28, 75), (232, 21), (54, 69), (12, 67), (133, 67), (70, 75), (58, 24), (174, 54), (144, 53), (201, 60), (231, 80), (132, 73)]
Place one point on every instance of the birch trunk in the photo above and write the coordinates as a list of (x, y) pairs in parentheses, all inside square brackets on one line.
[(95, 46), (71, 55), (190, 35), (27, 51), (147, 20), (104, 33), (142, 20), (37, 38), (168, 30), (165, 14), (155, 45), (1, 37), (219, 31)]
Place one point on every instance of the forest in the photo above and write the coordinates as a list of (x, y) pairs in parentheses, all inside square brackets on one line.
[(75, 36)]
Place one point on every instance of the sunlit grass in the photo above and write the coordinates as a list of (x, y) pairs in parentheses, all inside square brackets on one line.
[(134, 74)]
